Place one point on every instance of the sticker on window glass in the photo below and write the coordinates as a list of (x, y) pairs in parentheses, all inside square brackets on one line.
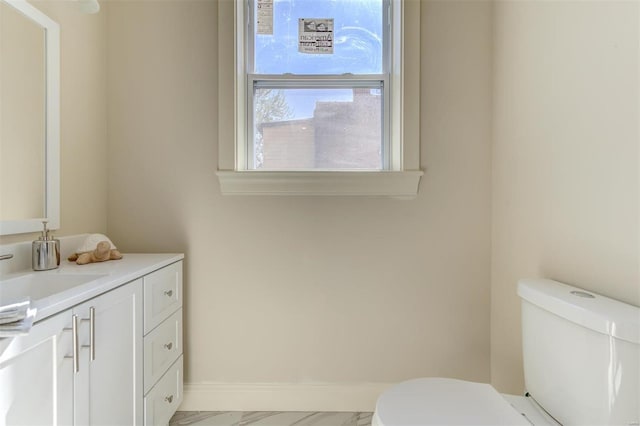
[(315, 35), (265, 17)]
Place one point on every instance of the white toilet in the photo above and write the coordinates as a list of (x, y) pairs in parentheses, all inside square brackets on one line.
[(581, 366)]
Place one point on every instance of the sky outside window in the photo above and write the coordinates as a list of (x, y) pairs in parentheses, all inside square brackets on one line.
[(357, 38)]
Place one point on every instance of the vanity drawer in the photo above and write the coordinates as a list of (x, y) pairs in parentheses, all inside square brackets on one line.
[(162, 295), (165, 397), (161, 348)]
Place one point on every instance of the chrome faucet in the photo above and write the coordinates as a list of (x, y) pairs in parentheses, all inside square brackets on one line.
[(6, 256)]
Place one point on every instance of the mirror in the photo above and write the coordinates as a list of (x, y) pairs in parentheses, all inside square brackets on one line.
[(29, 119)]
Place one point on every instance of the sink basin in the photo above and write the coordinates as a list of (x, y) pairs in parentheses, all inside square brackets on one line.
[(39, 286)]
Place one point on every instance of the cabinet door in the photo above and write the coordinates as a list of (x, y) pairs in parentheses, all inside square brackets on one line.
[(36, 378), (108, 387)]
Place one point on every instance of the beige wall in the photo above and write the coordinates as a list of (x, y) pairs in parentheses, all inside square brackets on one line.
[(565, 158), (306, 290), (83, 119)]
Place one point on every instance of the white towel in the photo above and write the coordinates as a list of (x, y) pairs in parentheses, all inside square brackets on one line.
[(15, 311), (16, 319)]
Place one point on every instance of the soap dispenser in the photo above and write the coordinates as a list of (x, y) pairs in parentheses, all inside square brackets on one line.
[(45, 251)]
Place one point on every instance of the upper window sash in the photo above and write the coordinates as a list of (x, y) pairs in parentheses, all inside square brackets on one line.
[(363, 34)]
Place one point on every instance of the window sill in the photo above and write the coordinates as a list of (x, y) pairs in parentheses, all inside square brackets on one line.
[(369, 184)]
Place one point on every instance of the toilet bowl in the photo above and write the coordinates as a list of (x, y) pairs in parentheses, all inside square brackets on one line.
[(581, 358), (442, 401)]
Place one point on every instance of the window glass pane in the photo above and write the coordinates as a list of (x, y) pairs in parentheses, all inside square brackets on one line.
[(357, 38), (318, 128)]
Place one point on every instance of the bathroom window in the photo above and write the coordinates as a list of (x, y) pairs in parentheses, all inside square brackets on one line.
[(317, 85), (318, 99)]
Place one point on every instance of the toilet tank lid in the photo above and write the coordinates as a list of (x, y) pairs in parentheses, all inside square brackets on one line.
[(585, 308)]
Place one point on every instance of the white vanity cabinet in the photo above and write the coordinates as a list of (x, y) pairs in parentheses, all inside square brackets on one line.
[(114, 359)]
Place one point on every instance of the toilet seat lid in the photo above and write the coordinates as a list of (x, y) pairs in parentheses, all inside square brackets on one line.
[(439, 401)]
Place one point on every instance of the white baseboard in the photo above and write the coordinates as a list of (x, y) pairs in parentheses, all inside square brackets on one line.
[(281, 397)]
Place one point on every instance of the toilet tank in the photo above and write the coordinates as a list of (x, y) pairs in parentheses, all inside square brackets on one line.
[(581, 354)]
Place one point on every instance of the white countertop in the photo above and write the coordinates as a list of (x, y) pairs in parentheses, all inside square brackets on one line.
[(110, 274)]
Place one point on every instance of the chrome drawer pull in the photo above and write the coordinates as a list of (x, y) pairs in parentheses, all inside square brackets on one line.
[(168, 346), (169, 399), (168, 293), (92, 332), (92, 318), (74, 331)]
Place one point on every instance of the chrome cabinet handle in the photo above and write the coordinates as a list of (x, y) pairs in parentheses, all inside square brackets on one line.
[(169, 399), (76, 355), (74, 335), (168, 346), (92, 333), (168, 293)]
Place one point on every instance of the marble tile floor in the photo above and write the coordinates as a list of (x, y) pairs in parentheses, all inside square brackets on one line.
[(269, 418)]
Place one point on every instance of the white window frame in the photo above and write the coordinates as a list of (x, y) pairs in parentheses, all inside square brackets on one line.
[(402, 174)]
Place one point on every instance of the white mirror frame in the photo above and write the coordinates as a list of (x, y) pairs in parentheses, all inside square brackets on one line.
[(52, 120)]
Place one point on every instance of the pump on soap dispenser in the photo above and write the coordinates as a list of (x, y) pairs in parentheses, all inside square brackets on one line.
[(45, 251)]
